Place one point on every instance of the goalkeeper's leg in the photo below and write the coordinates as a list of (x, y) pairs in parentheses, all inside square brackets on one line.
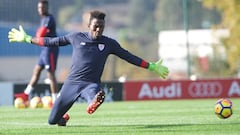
[(94, 96), (67, 96)]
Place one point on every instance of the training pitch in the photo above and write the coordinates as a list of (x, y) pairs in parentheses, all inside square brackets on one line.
[(172, 117)]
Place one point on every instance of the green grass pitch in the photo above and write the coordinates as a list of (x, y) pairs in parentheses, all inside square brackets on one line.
[(167, 117)]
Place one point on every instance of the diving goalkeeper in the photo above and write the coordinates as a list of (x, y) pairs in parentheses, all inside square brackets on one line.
[(90, 52)]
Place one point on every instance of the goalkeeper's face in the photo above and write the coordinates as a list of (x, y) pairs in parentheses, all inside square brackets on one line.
[(96, 28), (42, 9)]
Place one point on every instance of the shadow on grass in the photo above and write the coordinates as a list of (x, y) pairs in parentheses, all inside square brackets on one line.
[(179, 125), (156, 125), (174, 128)]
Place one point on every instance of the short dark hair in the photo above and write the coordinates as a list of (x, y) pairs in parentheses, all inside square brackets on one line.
[(97, 14), (45, 2)]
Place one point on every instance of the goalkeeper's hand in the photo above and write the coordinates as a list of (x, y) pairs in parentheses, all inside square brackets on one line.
[(158, 68), (19, 35)]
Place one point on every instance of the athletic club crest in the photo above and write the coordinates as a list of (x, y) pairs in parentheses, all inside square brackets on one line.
[(101, 46)]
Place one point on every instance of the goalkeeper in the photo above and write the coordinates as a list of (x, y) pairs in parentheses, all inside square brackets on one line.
[(90, 52)]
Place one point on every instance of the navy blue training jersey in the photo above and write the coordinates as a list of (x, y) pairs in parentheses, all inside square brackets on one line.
[(89, 55), (49, 23)]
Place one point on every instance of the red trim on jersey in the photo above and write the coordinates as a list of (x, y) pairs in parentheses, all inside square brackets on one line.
[(42, 31), (41, 41), (144, 64)]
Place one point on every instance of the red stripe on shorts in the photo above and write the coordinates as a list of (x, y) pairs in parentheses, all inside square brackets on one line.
[(52, 62)]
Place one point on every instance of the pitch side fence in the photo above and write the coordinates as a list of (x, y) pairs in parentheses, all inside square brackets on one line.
[(143, 90)]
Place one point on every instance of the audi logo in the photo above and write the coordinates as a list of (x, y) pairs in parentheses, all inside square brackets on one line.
[(205, 89)]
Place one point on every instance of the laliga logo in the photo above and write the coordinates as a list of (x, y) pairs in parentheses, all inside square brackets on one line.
[(205, 89)]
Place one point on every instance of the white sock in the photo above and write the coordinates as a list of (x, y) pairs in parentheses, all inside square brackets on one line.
[(54, 97), (28, 89)]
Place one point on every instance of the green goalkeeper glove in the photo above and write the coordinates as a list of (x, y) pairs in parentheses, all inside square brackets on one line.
[(19, 35), (159, 69)]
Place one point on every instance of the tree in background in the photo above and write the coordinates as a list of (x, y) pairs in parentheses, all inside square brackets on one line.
[(139, 36), (169, 15), (230, 10)]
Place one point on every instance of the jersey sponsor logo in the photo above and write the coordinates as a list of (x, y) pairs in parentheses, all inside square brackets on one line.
[(101, 47), (205, 89)]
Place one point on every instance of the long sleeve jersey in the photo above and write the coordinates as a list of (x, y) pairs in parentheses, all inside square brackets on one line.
[(89, 55)]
